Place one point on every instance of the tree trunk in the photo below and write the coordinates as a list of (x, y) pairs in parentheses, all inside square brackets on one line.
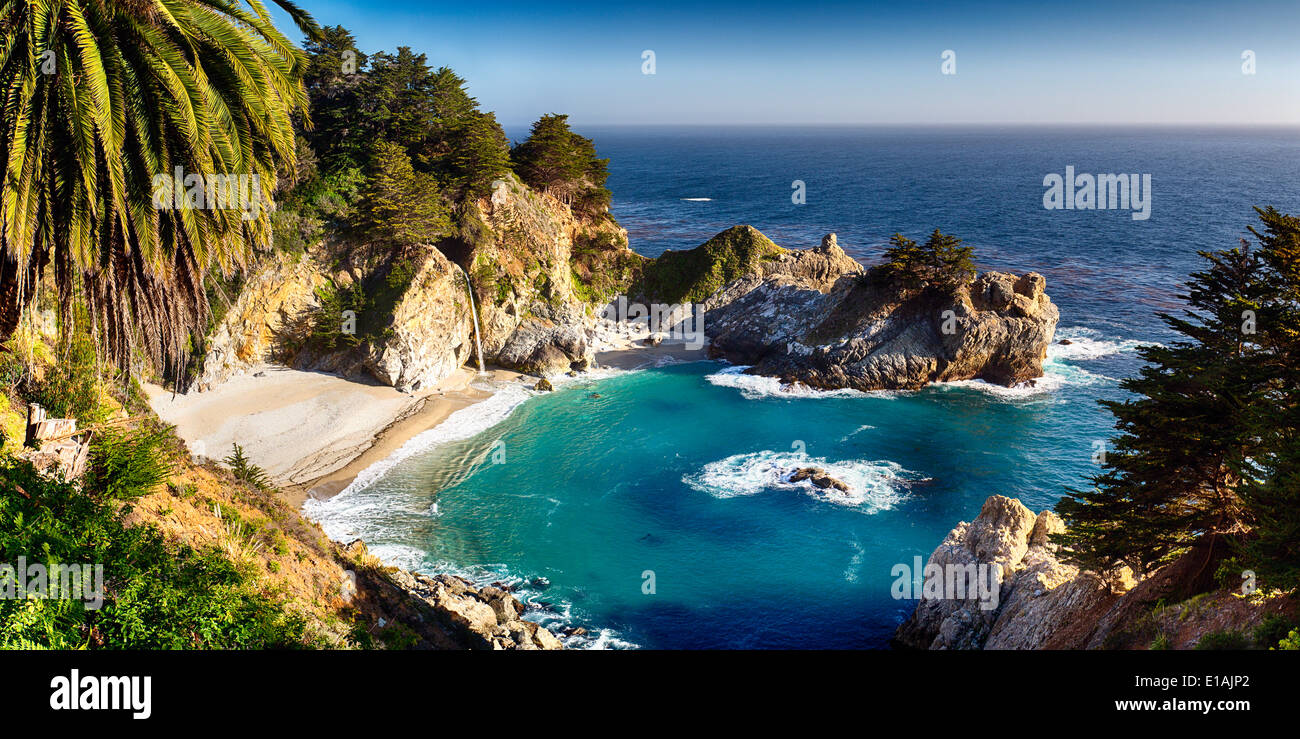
[(12, 298)]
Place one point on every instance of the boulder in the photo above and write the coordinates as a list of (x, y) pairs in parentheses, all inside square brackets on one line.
[(818, 477), (482, 618)]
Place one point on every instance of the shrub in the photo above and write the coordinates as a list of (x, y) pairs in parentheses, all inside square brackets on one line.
[(157, 595), (244, 470), (1274, 629), (125, 465), (1227, 640), (1291, 642)]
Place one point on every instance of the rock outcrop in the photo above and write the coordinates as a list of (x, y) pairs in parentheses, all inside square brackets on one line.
[(819, 318), (818, 477), (270, 315), (431, 333), (521, 263), (486, 618), (442, 611), (1039, 596)]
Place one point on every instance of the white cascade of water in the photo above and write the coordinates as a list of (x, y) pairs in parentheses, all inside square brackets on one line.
[(478, 342)]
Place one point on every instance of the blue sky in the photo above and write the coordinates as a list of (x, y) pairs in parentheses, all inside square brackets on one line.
[(847, 63)]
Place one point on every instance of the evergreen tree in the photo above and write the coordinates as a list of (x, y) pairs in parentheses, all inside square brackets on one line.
[(335, 70), (1187, 437), (480, 154), (557, 160), (549, 159), (904, 261), (399, 206), (951, 264), (1271, 494), (941, 261)]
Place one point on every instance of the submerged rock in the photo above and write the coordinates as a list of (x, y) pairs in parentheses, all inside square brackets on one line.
[(818, 477)]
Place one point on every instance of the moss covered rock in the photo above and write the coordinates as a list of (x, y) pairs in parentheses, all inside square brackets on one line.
[(693, 275)]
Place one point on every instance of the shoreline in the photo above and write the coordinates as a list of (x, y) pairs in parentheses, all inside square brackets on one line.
[(315, 433)]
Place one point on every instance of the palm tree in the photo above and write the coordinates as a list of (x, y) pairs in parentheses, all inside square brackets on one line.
[(103, 102)]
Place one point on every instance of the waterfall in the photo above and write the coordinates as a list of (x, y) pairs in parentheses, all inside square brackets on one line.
[(478, 342)]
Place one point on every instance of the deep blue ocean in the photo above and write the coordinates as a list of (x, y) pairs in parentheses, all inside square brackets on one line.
[(670, 477)]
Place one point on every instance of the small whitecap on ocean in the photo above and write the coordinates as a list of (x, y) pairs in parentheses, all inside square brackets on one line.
[(874, 486)]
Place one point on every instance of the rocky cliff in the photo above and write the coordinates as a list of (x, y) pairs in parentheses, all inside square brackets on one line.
[(1046, 603), (537, 272), (535, 312), (540, 276), (819, 318), (272, 306)]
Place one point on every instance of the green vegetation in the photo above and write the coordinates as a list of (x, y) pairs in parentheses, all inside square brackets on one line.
[(1226, 640), (1209, 444), (556, 160), (156, 595), (603, 267), (941, 262), (400, 207), (1291, 642), (694, 275), (371, 304), (245, 471), (403, 142), (121, 102)]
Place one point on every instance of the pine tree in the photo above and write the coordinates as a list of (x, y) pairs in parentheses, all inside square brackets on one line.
[(550, 158), (1271, 494), (1186, 439), (905, 262), (399, 206), (561, 162), (480, 154), (954, 263), (940, 262)]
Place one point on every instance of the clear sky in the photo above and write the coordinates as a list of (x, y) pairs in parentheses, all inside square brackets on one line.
[(787, 62)]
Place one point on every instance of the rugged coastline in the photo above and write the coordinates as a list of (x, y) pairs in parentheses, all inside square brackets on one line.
[(1045, 602)]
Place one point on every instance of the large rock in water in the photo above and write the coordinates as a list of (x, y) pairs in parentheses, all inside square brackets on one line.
[(818, 317), (1038, 595)]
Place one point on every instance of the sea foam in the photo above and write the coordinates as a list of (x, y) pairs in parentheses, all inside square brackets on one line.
[(873, 486)]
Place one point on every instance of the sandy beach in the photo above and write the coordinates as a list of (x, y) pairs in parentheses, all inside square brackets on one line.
[(308, 430), (315, 432)]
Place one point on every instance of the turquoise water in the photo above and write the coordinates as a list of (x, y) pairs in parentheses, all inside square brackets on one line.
[(676, 470)]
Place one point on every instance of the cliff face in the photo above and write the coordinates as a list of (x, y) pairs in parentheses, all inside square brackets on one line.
[(270, 309), (522, 263), (535, 295), (431, 334), (1036, 592), (817, 317), (540, 276), (1045, 603)]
